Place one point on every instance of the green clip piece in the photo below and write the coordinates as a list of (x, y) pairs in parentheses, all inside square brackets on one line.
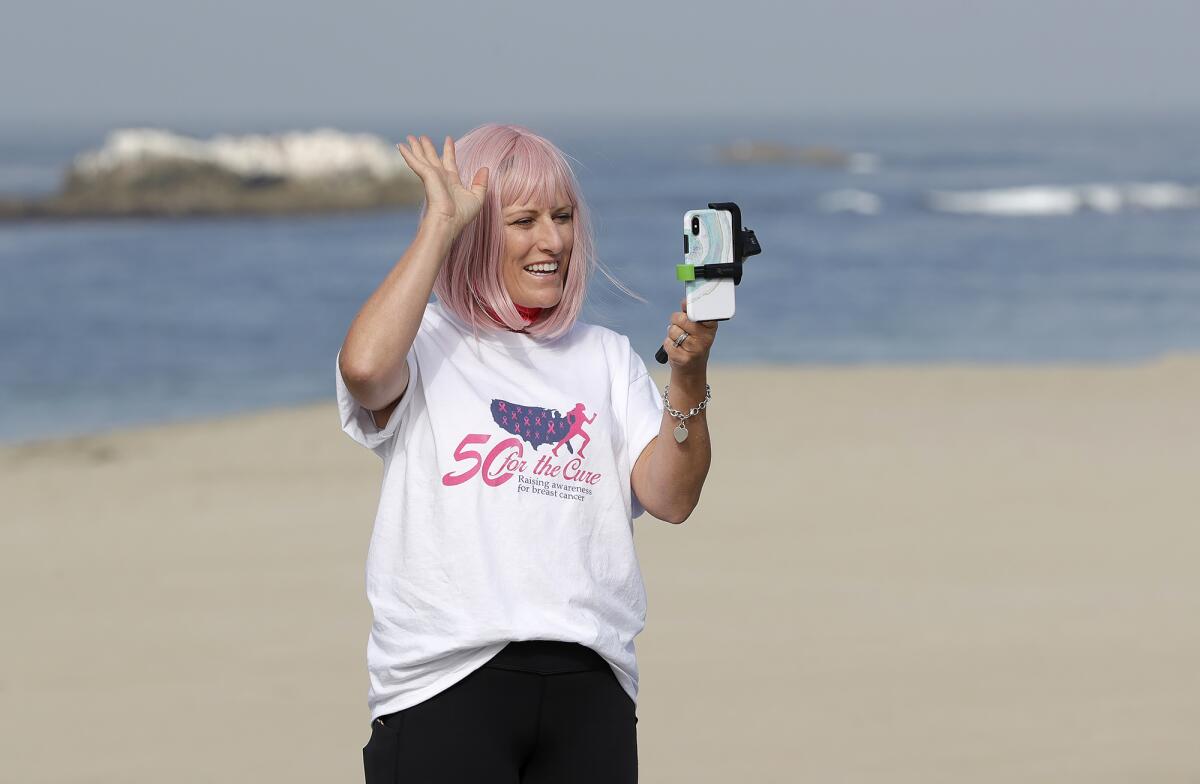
[(685, 272)]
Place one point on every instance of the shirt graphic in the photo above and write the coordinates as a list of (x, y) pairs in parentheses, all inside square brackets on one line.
[(534, 426)]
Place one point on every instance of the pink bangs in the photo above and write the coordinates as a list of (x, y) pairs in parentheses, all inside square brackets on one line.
[(535, 174)]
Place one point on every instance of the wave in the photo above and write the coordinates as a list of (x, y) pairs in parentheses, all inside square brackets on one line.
[(1066, 199), (850, 200)]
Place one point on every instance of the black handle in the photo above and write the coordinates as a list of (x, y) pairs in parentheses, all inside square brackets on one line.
[(661, 355)]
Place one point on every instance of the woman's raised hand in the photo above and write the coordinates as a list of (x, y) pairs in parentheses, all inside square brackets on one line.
[(445, 197)]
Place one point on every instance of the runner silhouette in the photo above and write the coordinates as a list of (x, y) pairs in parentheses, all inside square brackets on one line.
[(576, 418)]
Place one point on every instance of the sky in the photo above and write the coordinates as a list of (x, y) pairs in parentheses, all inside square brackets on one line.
[(253, 64)]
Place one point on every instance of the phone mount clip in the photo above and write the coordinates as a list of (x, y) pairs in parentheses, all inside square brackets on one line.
[(745, 244)]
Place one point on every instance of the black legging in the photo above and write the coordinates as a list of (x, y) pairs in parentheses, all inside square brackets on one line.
[(539, 712)]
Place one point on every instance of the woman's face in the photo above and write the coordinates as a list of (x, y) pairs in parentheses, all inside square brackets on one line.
[(537, 235)]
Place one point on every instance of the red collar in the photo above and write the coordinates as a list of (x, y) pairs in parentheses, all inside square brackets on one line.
[(528, 314)]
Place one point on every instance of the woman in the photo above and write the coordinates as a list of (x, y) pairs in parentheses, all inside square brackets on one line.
[(502, 574)]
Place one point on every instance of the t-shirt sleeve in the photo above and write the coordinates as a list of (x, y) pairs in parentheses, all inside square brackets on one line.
[(357, 420), (643, 417)]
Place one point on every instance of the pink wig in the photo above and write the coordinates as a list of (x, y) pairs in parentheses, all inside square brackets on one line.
[(523, 168)]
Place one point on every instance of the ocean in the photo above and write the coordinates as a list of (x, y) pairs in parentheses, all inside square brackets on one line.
[(1020, 240)]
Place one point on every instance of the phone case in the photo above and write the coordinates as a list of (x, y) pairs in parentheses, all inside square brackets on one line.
[(709, 299)]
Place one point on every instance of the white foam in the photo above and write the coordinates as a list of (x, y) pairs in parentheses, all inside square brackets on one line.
[(1067, 199), (863, 163), (296, 154), (851, 200), (1162, 196)]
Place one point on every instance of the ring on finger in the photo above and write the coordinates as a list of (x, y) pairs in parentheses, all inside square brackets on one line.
[(682, 337)]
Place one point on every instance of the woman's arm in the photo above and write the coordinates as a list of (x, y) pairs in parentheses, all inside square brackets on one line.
[(373, 358), (374, 353), (669, 475)]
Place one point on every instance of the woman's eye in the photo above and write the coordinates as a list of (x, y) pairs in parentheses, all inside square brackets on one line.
[(527, 221)]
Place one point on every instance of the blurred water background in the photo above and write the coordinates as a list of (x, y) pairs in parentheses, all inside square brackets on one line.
[(896, 260)]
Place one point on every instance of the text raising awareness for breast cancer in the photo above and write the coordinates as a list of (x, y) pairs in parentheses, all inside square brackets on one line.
[(507, 459)]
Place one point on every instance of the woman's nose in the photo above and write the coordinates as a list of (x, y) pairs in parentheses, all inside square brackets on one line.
[(549, 239)]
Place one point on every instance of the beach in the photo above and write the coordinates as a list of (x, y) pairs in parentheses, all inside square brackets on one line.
[(895, 574)]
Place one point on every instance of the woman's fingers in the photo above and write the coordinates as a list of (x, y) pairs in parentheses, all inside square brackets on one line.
[(420, 147), (682, 321), (414, 161), (448, 160), (681, 318), (479, 184), (414, 155), (430, 151), (404, 154), (422, 157), (414, 147)]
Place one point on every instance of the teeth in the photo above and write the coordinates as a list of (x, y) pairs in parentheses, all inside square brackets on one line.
[(542, 267)]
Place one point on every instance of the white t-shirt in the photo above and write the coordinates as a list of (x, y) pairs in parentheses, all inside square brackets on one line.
[(484, 534)]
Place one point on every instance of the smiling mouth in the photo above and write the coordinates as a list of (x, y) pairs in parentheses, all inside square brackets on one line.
[(543, 270)]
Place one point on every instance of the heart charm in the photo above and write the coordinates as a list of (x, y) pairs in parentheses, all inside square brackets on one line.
[(680, 433)]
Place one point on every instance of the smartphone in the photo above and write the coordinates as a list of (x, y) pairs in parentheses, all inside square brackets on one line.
[(708, 239)]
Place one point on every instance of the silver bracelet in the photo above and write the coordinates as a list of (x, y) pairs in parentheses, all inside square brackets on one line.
[(681, 431)]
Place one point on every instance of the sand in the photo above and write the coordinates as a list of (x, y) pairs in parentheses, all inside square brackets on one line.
[(967, 574)]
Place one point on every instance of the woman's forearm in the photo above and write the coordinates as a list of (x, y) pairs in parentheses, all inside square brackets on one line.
[(376, 346), (678, 470)]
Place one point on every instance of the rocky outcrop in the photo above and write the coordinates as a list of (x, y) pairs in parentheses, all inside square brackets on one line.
[(150, 172), (748, 151)]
